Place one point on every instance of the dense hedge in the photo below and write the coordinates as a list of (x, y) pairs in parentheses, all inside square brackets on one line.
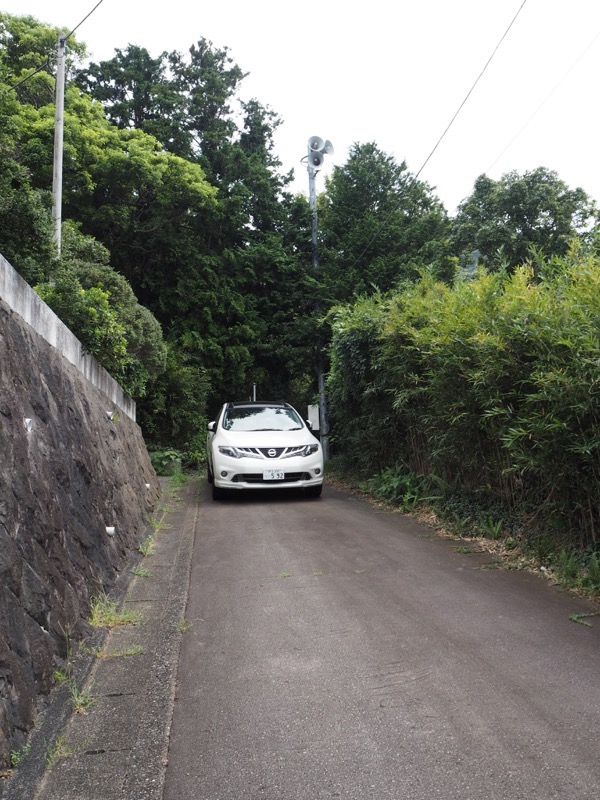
[(492, 385)]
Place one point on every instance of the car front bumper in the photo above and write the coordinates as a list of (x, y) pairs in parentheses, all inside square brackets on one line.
[(250, 473)]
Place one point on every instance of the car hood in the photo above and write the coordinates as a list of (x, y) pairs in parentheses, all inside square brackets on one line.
[(265, 438)]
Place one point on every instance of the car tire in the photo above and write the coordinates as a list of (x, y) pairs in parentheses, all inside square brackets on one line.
[(209, 475), (314, 491), (218, 494)]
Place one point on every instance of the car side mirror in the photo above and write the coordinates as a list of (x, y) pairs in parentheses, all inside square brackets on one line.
[(308, 424), (211, 426)]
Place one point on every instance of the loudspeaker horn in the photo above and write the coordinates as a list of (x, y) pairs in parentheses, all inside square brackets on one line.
[(316, 143), (315, 159), (327, 148)]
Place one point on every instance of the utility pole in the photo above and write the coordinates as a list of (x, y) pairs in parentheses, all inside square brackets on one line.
[(317, 150), (59, 123)]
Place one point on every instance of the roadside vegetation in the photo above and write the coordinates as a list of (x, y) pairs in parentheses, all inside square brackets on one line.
[(507, 534), (482, 400), (106, 614), (464, 351)]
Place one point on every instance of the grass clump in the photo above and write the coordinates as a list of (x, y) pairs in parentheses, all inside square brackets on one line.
[(146, 548), (125, 652), (18, 756), (62, 674), (57, 750), (105, 614), (141, 572), (158, 525), (183, 625), (399, 486), (179, 478), (81, 699)]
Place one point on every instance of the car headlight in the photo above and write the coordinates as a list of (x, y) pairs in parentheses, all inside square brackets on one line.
[(307, 450), (237, 452)]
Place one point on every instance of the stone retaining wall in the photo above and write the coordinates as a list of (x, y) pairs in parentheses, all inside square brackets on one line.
[(73, 466)]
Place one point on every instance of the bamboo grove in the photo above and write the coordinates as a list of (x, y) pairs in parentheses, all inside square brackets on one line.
[(488, 387)]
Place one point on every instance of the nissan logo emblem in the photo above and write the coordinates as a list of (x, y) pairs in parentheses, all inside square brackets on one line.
[(272, 453)]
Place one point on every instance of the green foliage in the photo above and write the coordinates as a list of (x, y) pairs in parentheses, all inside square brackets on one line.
[(567, 565), (99, 307), (25, 215), (581, 619), (212, 263), (593, 570), (146, 351), (26, 44), (166, 462), (18, 756), (492, 385), (400, 486), (504, 223), (359, 402), (176, 182), (87, 313), (181, 99), (576, 569), (173, 412), (379, 226), (81, 699), (104, 613), (491, 527), (136, 93)]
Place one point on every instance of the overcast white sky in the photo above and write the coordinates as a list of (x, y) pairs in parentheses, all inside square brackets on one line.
[(391, 72)]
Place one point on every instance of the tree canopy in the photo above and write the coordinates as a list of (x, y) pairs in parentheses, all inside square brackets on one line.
[(186, 260), (506, 222), (379, 225)]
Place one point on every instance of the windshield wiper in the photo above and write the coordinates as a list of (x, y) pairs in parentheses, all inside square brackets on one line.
[(279, 430)]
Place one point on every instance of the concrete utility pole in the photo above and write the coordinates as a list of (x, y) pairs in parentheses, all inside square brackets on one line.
[(317, 150), (59, 122)]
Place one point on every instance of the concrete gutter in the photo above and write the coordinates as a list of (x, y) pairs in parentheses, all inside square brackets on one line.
[(117, 749)]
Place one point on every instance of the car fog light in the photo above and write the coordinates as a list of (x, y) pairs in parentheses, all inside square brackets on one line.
[(317, 471), (224, 474)]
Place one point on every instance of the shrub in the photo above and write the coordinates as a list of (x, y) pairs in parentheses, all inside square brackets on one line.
[(491, 385)]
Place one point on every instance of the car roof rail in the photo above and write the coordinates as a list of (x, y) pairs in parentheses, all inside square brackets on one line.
[(233, 403)]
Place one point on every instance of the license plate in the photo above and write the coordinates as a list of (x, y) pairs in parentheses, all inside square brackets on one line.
[(273, 475)]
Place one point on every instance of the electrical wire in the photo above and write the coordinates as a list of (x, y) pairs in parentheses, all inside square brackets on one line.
[(47, 62), (28, 77), (470, 92), (99, 3), (439, 141), (544, 101)]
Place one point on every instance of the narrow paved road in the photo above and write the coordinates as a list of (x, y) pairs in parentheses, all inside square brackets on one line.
[(340, 651)]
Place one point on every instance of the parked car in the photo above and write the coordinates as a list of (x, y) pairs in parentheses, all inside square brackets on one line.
[(263, 445)]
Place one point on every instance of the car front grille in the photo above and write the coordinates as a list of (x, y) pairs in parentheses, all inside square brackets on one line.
[(271, 452)]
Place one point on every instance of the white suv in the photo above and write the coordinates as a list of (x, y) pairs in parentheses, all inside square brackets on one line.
[(263, 445)]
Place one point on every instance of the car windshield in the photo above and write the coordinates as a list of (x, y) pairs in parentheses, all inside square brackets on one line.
[(261, 418)]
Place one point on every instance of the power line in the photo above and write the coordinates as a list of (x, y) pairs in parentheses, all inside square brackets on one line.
[(544, 101), (437, 144), (470, 92), (83, 20), (47, 61), (59, 132), (28, 77)]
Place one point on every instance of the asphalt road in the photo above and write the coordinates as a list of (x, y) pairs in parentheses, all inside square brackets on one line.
[(340, 651)]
